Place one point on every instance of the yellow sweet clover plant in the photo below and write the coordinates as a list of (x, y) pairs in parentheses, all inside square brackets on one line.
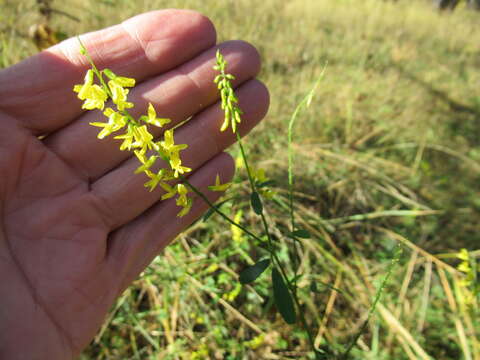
[(136, 137)]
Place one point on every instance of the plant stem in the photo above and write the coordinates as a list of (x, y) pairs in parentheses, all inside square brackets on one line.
[(273, 256), (303, 104), (393, 262), (244, 157), (212, 206)]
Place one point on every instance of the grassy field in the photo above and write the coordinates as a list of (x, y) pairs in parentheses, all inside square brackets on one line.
[(386, 157)]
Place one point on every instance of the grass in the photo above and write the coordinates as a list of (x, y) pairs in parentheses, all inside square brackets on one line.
[(388, 153)]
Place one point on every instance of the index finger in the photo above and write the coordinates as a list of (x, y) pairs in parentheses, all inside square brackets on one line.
[(38, 90)]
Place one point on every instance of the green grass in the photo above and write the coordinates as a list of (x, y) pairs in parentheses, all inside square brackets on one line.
[(387, 153)]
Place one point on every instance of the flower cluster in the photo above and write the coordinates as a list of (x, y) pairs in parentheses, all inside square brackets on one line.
[(135, 135), (229, 100)]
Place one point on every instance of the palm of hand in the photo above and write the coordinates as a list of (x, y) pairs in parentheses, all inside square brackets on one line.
[(53, 247), (68, 244)]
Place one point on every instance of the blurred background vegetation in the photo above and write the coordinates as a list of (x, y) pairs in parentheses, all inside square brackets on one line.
[(387, 154)]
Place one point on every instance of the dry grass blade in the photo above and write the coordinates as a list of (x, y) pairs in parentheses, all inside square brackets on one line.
[(456, 316), (396, 326)]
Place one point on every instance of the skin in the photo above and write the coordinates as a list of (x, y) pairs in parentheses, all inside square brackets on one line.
[(76, 225)]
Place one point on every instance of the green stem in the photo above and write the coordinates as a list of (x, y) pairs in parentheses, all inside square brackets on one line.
[(244, 158), (393, 262), (273, 256), (296, 256), (303, 104), (204, 198), (303, 320), (271, 250)]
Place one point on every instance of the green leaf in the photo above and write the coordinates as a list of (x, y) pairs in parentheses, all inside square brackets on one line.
[(301, 233), (251, 273), (283, 299), (256, 203)]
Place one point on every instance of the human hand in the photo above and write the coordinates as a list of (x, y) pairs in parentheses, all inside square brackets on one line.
[(76, 225)]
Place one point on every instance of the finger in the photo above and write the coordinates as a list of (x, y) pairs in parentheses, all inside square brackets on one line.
[(38, 91), (202, 134), (134, 246), (177, 95)]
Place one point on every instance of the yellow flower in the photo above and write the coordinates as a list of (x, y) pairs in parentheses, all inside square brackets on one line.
[(186, 208), (182, 191), (119, 80), (152, 117), (182, 200), (107, 129), (168, 175), (93, 94), (232, 295), (218, 186), (146, 165), (239, 163), (168, 143), (463, 255), (95, 98), (117, 120), (176, 165), (123, 81), (155, 179), (236, 119), (119, 95), (143, 138), (212, 268), (82, 89), (237, 234), (140, 156), (170, 191), (256, 342), (127, 140), (172, 152)]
